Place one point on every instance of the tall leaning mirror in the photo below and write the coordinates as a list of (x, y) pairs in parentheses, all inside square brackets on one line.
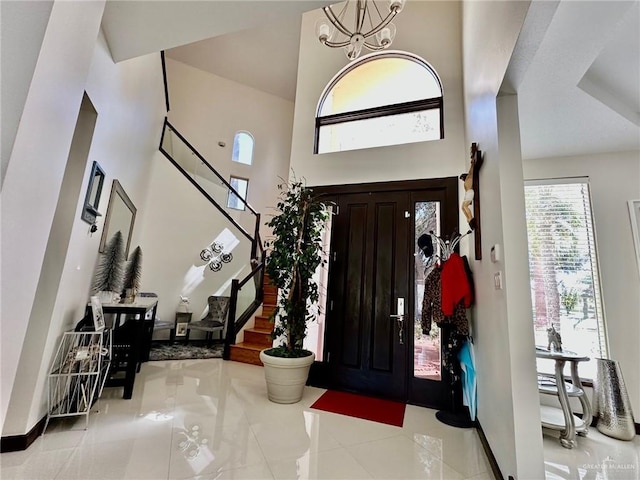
[(121, 215)]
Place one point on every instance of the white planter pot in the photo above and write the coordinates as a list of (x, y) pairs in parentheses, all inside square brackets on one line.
[(286, 377)]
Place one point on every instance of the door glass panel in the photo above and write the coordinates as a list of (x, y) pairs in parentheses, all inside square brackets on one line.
[(427, 362), (314, 341)]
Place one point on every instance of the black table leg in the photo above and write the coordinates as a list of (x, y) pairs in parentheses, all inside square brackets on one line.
[(134, 358)]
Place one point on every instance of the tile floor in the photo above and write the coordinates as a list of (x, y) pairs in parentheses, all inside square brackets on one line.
[(210, 419), (595, 457)]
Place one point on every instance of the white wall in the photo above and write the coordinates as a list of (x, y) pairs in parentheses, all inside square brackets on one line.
[(23, 28), (507, 388), (428, 29), (179, 223), (526, 408), (507, 403), (124, 142), (508, 411), (614, 178), (207, 109), (34, 173)]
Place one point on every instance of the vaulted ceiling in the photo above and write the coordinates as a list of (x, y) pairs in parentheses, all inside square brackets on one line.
[(575, 69)]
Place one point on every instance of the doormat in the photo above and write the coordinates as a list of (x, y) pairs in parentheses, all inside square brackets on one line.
[(360, 406), (183, 352)]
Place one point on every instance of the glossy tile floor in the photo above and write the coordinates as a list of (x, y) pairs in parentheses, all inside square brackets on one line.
[(595, 457), (210, 419)]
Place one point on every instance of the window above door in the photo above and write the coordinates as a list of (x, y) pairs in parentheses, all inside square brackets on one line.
[(388, 98)]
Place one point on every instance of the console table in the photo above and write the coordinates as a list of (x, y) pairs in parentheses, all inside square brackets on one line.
[(136, 342), (563, 418)]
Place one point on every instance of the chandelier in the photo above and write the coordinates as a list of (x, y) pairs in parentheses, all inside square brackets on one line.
[(372, 28)]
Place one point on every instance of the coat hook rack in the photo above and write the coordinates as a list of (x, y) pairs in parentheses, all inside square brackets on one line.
[(448, 245)]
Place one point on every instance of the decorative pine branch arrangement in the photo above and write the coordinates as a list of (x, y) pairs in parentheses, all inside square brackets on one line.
[(133, 274), (109, 276)]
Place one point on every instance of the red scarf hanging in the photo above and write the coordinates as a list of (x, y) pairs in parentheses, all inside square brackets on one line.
[(455, 284)]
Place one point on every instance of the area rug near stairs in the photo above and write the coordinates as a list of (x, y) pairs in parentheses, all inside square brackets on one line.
[(163, 351), (360, 406)]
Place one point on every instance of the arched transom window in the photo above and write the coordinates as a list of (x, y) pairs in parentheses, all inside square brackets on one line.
[(388, 98)]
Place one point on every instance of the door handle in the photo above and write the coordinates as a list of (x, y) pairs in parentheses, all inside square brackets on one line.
[(400, 320)]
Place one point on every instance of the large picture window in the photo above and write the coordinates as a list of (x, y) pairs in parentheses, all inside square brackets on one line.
[(388, 98), (563, 269)]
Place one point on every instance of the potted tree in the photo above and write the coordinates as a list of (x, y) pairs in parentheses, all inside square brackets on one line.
[(294, 254)]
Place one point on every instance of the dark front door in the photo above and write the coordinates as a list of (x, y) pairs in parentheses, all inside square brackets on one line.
[(369, 276), (372, 320)]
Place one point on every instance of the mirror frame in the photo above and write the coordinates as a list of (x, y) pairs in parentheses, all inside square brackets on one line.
[(90, 210), (117, 194)]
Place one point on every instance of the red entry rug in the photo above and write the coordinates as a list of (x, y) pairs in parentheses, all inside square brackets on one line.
[(359, 406)]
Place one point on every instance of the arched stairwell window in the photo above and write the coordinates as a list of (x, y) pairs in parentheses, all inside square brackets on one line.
[(243, 144), (389, 98)]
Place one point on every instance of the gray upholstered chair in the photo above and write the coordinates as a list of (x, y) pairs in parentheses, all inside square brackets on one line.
[(214, 321)]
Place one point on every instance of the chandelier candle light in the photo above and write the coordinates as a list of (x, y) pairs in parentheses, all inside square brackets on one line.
[(370, 28)]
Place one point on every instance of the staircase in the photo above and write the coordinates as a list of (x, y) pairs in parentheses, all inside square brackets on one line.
[(215, 188), (259, 337)]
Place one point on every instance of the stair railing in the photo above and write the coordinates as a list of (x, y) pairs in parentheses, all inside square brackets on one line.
[(234, 325), (221, 179)]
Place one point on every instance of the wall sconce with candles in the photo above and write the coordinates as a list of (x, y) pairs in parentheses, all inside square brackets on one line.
[(219, 251), (215, 256)]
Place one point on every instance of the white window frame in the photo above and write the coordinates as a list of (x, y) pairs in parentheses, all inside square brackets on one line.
[(231, 195), (378, 112), (239, 157)]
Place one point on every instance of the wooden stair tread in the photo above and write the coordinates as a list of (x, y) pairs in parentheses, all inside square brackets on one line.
[(259, 330), (246, 353), (263, 325), (258, 337), (249, 351), (249, 346)]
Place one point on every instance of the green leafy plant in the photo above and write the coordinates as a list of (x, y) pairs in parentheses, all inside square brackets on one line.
[(110, 271), (133, 271), (294, 254), (569, 298)]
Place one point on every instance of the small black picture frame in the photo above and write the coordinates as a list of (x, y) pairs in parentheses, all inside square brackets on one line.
[(92, 198)]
